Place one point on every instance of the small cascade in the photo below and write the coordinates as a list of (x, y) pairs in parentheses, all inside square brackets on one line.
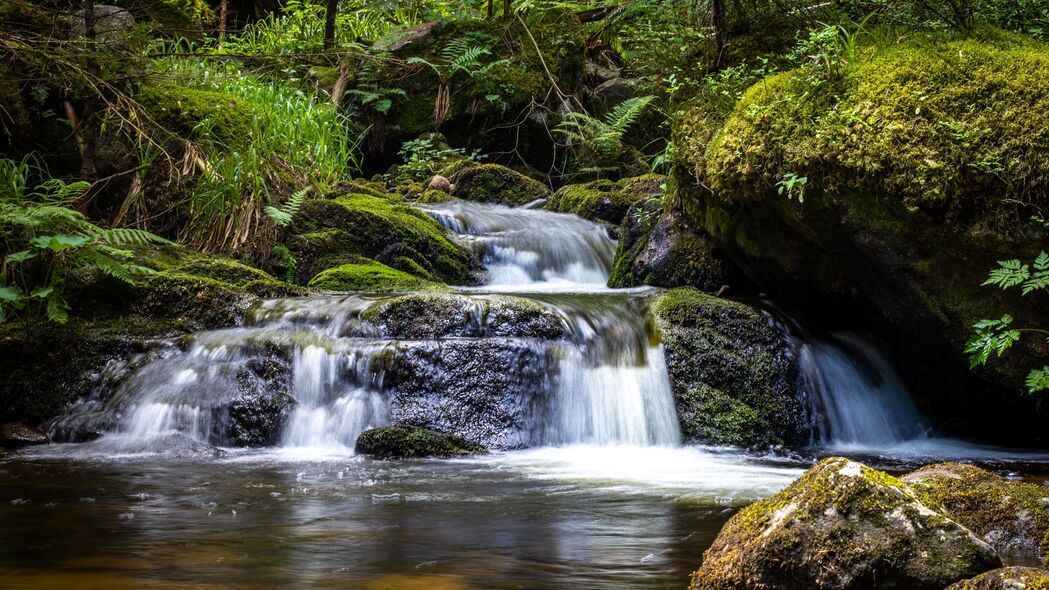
[(564, 361), (531, 248), (861, 401)]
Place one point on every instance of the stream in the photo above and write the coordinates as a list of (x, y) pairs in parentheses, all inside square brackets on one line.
[(588, 485)]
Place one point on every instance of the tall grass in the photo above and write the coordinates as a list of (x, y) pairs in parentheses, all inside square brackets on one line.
[(289, 139)]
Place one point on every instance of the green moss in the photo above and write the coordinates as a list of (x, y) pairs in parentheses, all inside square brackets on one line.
[(369, 276), (400, 442), (726, 420), (1008, 578), (491, 183), (596, 201), (939, 120), (182, 109), (15, 118), (693, 308)]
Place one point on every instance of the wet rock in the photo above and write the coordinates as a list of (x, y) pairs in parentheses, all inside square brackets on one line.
[(491, 183), (440, 183), (843, 525), (661, 249), (16, 434), (444, 315), (485, 391), (734, 376), (401, 442), (1007, 578), (256, 413), (604, 200), (1012, 516)]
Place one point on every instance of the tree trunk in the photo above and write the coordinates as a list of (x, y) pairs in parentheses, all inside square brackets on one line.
[(222, 22), (717, 10), (84, 128), (491, 9), (506, 9), (329, 23)]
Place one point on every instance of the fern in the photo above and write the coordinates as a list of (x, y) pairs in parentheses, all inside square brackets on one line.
[(604, 137), (284, 215)]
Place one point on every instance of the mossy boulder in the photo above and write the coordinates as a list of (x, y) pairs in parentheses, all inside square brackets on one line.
[(448, 315), (404, 442), (604, 200), (369, 276), (923, 162), (181, 109), (734, 376), (843, 525), (663, 249), (1012, 516), (492, 183), (1006, 578), (341, 230)]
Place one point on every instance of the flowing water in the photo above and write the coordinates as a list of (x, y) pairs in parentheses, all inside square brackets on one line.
[(589, 485)]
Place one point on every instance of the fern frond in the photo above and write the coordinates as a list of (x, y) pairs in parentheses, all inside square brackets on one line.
[(627, 112), (284, 215)]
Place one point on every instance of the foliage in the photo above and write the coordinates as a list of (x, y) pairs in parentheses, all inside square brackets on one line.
[(47, 242), (604, 136), (462, 56), (422, 154), (283, 216), (994, 337)]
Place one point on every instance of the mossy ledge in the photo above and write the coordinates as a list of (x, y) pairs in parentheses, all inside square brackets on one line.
[(370, 276), (404, 442)]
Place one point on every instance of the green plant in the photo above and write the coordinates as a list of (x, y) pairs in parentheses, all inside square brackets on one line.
[(997, 336), (421, 154), (793, 186), (604, 137), (48, 242), (462, 55), (284, 215)]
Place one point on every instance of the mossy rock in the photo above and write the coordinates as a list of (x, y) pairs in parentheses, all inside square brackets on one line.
[(603, 200), (1012, 516), (330, 232), (450, 315), (734, 376), (843, 525), (492, 183), (663, 249), (1006, 578), (368, 276), (181, 109), (185, 18), (405, 442)]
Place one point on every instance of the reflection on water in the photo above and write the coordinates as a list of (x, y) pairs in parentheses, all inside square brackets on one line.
[(575, 517)]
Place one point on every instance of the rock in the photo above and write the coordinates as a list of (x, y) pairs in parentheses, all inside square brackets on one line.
[(440, 183), (843, 525), (414, 38), (447, 315), (603, 200), (257, 412), (491, 183), (110, 22), (16, 434), (1006, 578), (1012, 516), (734, 375), (402, 442), (368, 276), (663, 250), (485, 391)]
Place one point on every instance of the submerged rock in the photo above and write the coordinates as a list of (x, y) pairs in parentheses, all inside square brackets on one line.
[(402, 442), (1012, 516), (16, 434), (444, 315), (843, 525), (485, 391), (734, 376), (1006, 578)]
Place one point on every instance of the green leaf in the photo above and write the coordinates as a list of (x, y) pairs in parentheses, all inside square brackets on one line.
[(20, 256), (41, 292), (59, 242), (1038, 379), (10, 294)]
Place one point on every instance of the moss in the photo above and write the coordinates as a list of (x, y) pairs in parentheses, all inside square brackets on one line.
[(182, 109), (842, 525), (492, 183), (939, 120), (186, 18), (1007, 578), (331, 231), (367, 275), (733, 376), (401, 442), (1011, 516), (434, 196)]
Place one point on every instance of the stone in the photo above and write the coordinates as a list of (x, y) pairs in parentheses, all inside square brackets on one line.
[(401, 442), (1007, 578), (843, 525), (16, 434)]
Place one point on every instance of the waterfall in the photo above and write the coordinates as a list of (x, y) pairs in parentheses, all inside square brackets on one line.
[(315, 372), (861, 401)]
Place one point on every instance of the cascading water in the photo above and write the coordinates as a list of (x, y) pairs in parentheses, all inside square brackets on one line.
[(860, 400), (316, 372)]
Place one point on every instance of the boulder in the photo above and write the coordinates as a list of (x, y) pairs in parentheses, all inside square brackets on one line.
[(256, 413), (662, 249), (1006, 578), (1013, 517), (486, 391), (492, 183), (440, 183), (402, 442), (448, 315), (733, 374), (368, 276), (843, 525), (16, 434), (866, 202), (604, 200)]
